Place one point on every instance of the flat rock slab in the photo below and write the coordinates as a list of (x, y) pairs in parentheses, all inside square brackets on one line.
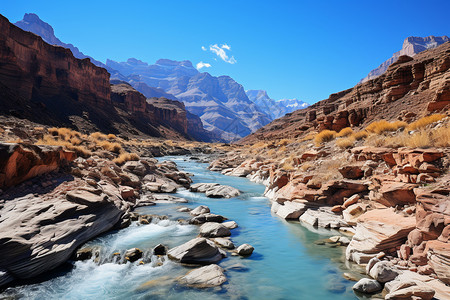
[(196, 251), (211, 229), (204, 277), (215, 190)]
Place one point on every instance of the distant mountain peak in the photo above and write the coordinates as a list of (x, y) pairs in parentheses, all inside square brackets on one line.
[(411, 46), (274, 108), (169, 62)]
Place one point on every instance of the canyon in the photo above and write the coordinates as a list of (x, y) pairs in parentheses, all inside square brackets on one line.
[(47, 84), (93, 155)]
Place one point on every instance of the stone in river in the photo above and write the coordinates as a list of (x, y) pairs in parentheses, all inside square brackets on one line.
[(245, 250), (211, 229), (196, 251), (204, 277), (367, 286)]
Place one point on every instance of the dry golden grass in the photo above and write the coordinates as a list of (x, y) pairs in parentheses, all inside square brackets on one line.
[(441, 136), (423, 138), (422, 122), (111, 136), (345, 132), (324, 136), (360, 135), (258, 145), (64, 133), (345, 142), (379, 127), (98, 136), (108, 146), (51, 141), (18, 140), (124, 157), (284, 142)]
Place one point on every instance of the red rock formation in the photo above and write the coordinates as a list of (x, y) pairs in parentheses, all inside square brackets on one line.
[(418, 86), (34, 69), (19, 162)]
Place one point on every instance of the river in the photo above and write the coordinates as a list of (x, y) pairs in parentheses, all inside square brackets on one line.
[(286, 263)]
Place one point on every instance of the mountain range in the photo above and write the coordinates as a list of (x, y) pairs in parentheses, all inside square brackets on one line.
[(411, 46), (274, 108), (220, 102)]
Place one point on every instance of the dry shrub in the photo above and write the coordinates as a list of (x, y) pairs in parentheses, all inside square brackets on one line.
[(441, 136), (422, 122), (258, 145), (284, 142), (360, 135), (324, 136), (51, 141), (108, 146), (124, 157), (271, 152), (64, 133), (382, 126), (111, 136), (345, 142), (75, 141), (98, 136), (345, 132)]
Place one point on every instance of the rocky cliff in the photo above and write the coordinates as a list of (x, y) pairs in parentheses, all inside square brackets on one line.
[(410, 87), (160, 114), (411, 46), (35, 70), (48, 85)]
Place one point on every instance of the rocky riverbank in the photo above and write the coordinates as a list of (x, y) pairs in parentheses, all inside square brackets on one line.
[(394, 201), (60, 188)]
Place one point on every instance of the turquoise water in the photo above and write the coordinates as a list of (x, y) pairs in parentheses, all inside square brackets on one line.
[(286, 264)]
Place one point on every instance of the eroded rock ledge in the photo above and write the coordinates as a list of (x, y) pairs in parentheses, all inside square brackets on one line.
[(45, 219)]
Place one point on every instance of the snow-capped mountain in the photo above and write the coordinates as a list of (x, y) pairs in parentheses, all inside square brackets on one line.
[(274, 108)]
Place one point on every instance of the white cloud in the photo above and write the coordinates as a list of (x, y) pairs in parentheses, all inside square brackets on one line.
[(203, 65), (220, 52), (204, 48)]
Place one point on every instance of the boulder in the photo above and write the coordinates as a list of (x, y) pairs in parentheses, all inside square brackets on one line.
[(224, 243), (199, 210), (211, 229), (352, 212), (200, 219), (351, 172), (323, 217), (290, 210), (367, 286), (245, 250), (215, 190), (160, 249), (379, 230), (196, 251), (396, 193), (230, 224), (383, 271), (204, 277), (133, 254)]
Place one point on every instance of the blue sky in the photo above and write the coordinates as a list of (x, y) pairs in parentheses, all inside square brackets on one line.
[(292, 49)]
